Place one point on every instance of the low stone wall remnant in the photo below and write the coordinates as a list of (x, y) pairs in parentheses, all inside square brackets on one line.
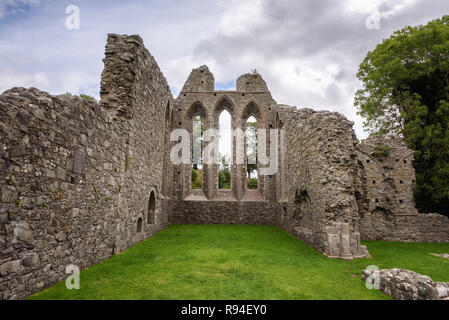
[(403, 284)]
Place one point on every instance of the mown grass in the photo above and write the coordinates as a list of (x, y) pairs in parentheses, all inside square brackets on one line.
[(242, 262)]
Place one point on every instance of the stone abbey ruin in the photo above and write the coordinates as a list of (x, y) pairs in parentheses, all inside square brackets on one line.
[(82, 181)]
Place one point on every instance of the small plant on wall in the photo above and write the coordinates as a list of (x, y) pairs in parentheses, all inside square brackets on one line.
[(381, 151)]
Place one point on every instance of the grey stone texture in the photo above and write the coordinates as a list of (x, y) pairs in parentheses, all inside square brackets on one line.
[(403, 284), (77, 175), (384, 192), (82, 181)]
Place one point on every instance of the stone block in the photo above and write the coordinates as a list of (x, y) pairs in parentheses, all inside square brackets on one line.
[(60, 173), (50, 173), (10, 267), (8, 194), (79, 161), (23, 231), (30, 260), (333, 242)]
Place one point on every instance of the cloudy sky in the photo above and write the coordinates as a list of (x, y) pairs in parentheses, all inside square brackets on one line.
[(307, 51)]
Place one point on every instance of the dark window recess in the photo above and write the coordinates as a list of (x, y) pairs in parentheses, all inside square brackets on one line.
[(374, 182), (151, 209), (401, 182), (301, 196), (139, 225), (368, 161), (377, 200)]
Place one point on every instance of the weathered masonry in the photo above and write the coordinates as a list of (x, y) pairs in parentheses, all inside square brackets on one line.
[(81, 181)]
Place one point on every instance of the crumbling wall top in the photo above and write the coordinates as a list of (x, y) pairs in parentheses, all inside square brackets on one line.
[(200, 80), (251, 82)]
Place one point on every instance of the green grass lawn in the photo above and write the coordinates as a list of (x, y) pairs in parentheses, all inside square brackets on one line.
[(242, 262)]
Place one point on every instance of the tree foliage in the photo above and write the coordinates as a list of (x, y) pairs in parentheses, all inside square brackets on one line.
[(224, 174), (197, 178), (406, 92)]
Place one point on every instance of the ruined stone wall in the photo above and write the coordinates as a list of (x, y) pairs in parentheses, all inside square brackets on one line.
[(198, 98), (223, 212), (81, 181), (76, 176), (410, 228), (384, 194), (320, 207)]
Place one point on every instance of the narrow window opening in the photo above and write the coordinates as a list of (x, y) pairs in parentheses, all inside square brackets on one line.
[(197, 148), (225, 150), (139, 225), (151, 209), (252, 180)]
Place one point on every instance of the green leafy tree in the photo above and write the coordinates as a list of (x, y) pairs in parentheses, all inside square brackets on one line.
[(406, 92), (252, 183), (197, 178), (224, 174)]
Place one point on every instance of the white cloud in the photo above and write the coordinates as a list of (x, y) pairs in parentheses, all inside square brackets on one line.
[(307, 51), (11, 7), (386, 7), (12, 78)]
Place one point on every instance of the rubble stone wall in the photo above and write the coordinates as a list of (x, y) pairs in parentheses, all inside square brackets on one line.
[(384, 191), (223, 212), (320, 158), (403, 284), (81, 180), (76, 176)]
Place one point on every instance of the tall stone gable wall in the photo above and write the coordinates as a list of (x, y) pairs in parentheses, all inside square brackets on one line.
[(384, 192), (319, 177), (76, 176)]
